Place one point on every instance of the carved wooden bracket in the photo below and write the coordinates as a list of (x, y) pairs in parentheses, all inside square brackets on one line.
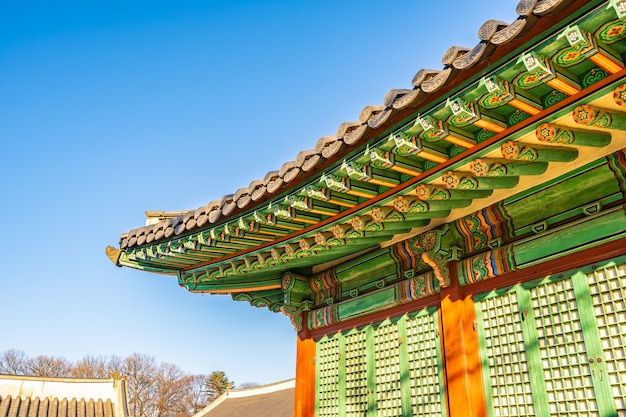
[(295, 313), (437, 257), (439, 260), (297, 297)]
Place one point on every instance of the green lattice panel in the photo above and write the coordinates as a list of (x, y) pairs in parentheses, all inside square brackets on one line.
[(504, 357), (328, 377), (387, 364), (356, 374), (566, 370), (607, 287), (425, 366)]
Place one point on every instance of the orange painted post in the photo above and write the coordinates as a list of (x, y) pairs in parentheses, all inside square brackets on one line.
[(304, 402), (464, 383)]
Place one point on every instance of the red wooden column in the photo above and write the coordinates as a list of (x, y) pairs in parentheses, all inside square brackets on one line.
[(466, 395), (305, 375)]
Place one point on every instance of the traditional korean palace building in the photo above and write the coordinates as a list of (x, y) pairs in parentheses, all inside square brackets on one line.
[(460, 250)]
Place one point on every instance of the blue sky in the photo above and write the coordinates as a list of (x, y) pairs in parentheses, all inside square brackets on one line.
[(110, 109)]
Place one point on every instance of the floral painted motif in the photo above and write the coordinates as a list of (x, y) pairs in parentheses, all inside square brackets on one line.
[(549, 133), (592, 116), (577, 53), (406, 255), (619, 95), (532, 79), (612, 32), (497, 98), (518, 152)]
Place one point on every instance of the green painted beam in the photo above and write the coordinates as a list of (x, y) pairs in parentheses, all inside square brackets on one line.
[(597, 228)]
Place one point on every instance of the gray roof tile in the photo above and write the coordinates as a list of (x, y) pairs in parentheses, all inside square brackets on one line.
[(265, 401), (36, 397)]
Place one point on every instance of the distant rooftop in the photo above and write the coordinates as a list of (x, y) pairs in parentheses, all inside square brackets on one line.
[(62, 397), (274, 400)]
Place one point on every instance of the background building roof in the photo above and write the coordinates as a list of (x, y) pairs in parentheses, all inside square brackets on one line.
[(273, 400), (62, 397)]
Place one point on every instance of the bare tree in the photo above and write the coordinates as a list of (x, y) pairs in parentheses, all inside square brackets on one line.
[(196, 393), (13, 362), (91, 367), (140, 371), (170, 391), (49, 366), (115, 364)]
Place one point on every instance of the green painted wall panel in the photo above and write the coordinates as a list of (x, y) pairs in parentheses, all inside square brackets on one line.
[(561, 345), (372, 302), (577, 191), (387, 370), (608, 224), (366, 271), (425, 365)]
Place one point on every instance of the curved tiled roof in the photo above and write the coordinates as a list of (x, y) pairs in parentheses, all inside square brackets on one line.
[(460, 139), (492, 35), (62, 397), (36, 407)]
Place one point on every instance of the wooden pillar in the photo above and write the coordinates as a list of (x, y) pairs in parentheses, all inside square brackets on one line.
[(464, 383), (304, 404)]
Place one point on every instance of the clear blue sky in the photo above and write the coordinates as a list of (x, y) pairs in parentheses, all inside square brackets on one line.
[(109, 109)]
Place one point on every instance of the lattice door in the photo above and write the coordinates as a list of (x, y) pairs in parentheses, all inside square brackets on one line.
[(387, 370), (425, 365), (564, 358), (391, 368), (328, 377), (607, 287), (556, 347), (356, 374), (504, 356)]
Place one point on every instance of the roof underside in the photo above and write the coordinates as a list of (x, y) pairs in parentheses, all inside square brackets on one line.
[(527, 104)]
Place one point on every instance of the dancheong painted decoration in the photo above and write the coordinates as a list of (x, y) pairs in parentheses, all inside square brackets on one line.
[(460, 250)]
